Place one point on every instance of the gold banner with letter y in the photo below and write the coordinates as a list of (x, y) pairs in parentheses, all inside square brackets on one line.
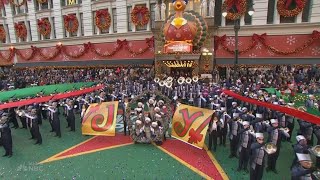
[(190, 124)]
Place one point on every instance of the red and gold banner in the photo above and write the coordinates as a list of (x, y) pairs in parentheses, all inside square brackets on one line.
[(178, 46), (100, 119), (190, 124)]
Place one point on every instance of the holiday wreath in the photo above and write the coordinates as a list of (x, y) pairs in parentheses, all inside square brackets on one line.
[(140, 15), (71, 23), (284, 9), (103, 19), (44, 27), (240, 7), (21, 30)]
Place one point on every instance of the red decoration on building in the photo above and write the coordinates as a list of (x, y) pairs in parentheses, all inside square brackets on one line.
[(71, 23), (44, 27), (2, 33), (140, 15), (241, 8), (103, 19), (21, 30), (284, 5)]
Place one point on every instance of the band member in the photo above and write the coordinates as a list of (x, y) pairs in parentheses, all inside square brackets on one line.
[(257, 158), (301, 147), (224, 118), (6, 138), (244, 148), (303, 168), (70, 116), (214, 128), (274, 137), (235, 127), (12, 117), (34, 126), (55, 119)]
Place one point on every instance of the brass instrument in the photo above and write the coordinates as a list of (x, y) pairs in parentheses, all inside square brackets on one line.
[(240, 121), (20, 113), (302, 108), (285, 129), (316, 174), (195, 79), (270, 148), (188, 80), (315, 150), (251, 131), (169, 79), (3, 119), (156, 80), (168, 84), (161, 83), (181, 80)]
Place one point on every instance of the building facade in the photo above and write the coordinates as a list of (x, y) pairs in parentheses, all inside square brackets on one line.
[(66, 32)]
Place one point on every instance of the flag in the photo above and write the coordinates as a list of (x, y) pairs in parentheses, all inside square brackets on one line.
[(100, 119), (190, 124)]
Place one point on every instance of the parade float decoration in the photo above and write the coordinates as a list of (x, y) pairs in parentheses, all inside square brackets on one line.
[(138, 125), (184, 31)]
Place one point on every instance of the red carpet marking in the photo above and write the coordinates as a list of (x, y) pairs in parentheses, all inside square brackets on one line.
[(97, 143), (199, 159)]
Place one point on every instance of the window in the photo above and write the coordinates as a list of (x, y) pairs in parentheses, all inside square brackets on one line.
[(141, 28), (152, 15), (114, 19), (217, 13), (229, 22), (287, 19), (53, 28), (21, 39), (81, 22), (29, 29), (19, 10), (271, 8), (8, 34), (247, 17), (129, 10), (306, 12), (94, 22), (3, 12), (69, 34), (41, 37)]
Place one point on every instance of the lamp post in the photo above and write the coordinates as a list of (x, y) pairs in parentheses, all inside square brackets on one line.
[(236, 33)]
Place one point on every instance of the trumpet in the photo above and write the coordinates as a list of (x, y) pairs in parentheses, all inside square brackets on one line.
[(181, 80), (270, 148), (251, 131), (161, 83), (266, 122), (240, 121), (188, 80), (169, 79), (156, 80), (195, 78)]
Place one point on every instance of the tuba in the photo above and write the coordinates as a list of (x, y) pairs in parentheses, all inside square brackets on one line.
[(188, 80), (156, 80), (270, 148), (181, 80), (195, 79)]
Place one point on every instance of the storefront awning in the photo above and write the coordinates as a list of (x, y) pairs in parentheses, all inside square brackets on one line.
[(120, 62), (267, 61)]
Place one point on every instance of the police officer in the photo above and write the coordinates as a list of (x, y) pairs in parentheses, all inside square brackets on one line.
[(6, 137)]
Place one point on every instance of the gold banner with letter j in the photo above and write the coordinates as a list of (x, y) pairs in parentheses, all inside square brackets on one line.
[(190, 124), (100, 119)]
